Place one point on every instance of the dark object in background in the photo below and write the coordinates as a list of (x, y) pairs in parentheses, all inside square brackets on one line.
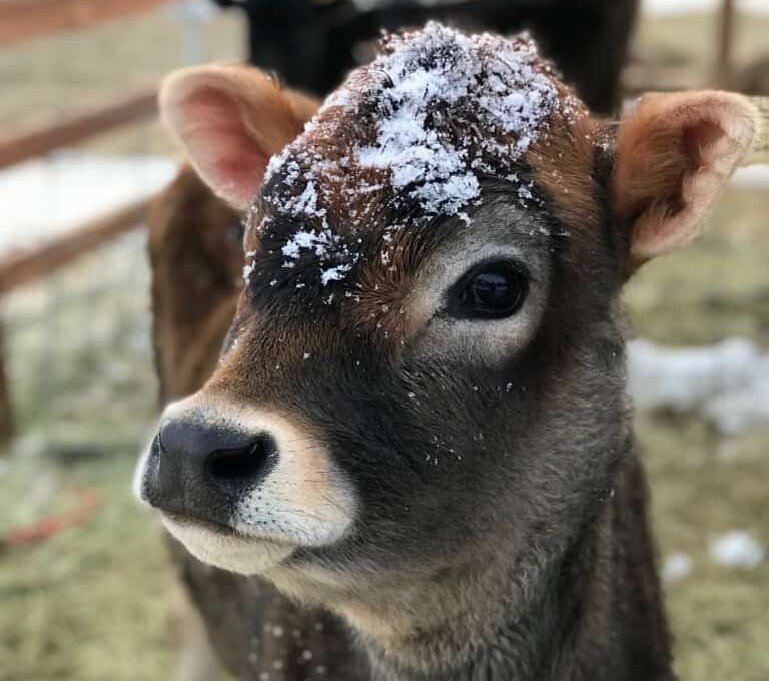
[(293, 38), (311, 44)]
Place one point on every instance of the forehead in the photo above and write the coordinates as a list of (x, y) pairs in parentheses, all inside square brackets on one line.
[(408, 142)]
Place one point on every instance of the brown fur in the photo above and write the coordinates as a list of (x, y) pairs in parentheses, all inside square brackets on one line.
[(563, 163), (196, 259)]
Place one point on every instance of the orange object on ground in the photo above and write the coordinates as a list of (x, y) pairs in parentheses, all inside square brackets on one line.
[(87, 502)]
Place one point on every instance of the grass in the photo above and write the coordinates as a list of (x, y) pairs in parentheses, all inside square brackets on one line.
[(92, 602), (703, 487), (89, 603), (717, 289)]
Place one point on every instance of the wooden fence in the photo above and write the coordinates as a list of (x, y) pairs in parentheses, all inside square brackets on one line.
[(25, 19), (22, 20)]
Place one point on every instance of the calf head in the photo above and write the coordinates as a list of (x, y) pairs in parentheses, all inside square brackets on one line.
[(425, 374)]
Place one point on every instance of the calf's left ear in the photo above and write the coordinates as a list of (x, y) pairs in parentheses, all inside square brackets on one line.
[(673, 156)]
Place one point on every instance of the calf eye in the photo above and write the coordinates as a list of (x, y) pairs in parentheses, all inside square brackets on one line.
[(491, 290)]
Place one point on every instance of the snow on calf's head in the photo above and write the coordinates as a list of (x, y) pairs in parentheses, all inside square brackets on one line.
[(413, 133)]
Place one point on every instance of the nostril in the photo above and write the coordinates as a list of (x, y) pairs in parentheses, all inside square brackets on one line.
[(236, 466)]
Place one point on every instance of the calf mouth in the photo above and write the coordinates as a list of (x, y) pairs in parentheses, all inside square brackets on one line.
[(224, 547), (189, 521)]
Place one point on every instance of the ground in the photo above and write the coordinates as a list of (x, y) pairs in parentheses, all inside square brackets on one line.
[(92, 603)]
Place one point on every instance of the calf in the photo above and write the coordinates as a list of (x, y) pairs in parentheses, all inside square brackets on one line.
[(418, 423)]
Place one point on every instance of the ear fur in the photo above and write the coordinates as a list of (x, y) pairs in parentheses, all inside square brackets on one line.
[(230, 119), (674, 154)]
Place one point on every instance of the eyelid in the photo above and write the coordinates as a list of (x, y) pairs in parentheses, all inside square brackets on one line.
[(516, 264), (478, 267)]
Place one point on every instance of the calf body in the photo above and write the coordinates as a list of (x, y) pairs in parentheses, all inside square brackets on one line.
[(418, 422)]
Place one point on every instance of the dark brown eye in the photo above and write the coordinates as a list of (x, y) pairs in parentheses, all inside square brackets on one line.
[(490, 291)]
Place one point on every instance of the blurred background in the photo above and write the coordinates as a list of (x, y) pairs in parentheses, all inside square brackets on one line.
[(84, 580)]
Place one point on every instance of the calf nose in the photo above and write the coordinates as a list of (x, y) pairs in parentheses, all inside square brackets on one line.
[(199, 470)]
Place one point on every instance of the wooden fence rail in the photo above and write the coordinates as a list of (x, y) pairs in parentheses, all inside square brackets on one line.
[(37, 141), (24, 19), (25, 266)]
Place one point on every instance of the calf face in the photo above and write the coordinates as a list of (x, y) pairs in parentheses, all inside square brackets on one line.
[(425, 375)]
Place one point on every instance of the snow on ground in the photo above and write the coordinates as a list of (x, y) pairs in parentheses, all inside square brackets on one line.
[(44, 197), (737, 549), (677, 566), (727, 383)]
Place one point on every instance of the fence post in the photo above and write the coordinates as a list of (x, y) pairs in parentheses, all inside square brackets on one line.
[(6, 418), (725, 57)]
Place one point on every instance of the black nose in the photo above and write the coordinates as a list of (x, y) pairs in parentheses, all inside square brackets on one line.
[(200, 470)]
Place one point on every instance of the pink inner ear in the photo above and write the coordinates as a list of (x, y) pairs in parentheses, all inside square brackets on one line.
[(698, 141), (220, 146)]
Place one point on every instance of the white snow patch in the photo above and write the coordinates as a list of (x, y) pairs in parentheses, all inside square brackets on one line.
[(728, 383), (249, 266), (737, 549), (326, 246), (677, 566), (45, 197), (318, 242), (334, 274), (438, 68)]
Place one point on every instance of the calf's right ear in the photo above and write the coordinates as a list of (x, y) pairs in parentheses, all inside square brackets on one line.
[(230, 119), (673, 156)]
